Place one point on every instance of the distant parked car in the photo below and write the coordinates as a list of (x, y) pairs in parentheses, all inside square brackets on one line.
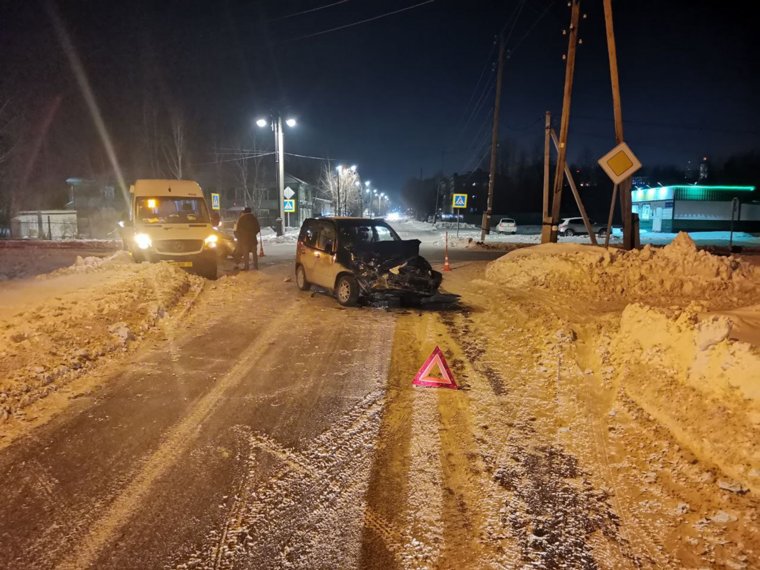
[(506, 226), (575, 226)]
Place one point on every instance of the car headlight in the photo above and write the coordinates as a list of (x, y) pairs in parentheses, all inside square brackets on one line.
[(211, 240), (143, 241)]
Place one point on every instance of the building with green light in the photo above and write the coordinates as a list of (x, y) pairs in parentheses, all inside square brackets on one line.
[(697, 208)]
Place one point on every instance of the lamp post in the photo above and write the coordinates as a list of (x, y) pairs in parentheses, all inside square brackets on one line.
[(361, 195), (276, 123)]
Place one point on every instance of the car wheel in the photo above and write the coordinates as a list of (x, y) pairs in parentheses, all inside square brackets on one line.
[(347, 291), (602, 232), (301, 281), (569, 232)]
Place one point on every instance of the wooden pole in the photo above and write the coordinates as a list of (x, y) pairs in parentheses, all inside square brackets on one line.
[(609, 218), (625, 186), (486, 225), (576, 195), (565, 121), (546, 222)]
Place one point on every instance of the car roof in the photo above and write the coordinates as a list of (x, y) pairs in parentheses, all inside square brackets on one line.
[(351, 220)]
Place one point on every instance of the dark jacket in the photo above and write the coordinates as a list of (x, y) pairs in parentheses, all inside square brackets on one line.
[(247, 227)]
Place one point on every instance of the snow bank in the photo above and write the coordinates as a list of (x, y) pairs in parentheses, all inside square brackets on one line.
[(695, 381), (674, 274), (99, 306)]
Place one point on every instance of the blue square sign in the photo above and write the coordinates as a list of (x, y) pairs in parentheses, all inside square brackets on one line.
[(459, 200)]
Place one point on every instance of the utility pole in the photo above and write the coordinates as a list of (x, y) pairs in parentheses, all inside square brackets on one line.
[(577, 196), (486, 226), (625, 186), (546, 222), (565, 120)]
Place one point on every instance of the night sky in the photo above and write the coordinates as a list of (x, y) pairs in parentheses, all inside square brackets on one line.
[(398, 95)]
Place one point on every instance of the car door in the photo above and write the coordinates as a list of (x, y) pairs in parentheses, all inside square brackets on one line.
[(324, 273), (307, 242)]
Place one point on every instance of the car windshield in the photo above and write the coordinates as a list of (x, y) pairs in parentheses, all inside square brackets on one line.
[(366, 232), (170, 210)]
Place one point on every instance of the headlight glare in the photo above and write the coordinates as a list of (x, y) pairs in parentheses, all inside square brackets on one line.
[(143, 241), (211, 240)]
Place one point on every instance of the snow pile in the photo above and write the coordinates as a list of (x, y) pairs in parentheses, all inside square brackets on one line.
[(659, 276), (687, 374), (290, 235), (98, 308), (91, 263)]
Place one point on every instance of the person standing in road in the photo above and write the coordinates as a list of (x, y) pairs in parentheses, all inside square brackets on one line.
[(246, 229)]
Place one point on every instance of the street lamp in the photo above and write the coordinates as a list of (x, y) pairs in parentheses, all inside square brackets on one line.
[(276, 122)]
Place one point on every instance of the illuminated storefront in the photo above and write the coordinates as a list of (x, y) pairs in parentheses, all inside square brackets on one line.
[(697, 208)]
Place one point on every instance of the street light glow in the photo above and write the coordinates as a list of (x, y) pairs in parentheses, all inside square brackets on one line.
[(339, 168), (290, 122), (367, 182), (262, 123), (353, 167)]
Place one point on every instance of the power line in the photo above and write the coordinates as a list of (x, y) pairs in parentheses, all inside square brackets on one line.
[(486, 65), (359, 22), (309, 11), (483, 98), (531, 27), (514, 18)]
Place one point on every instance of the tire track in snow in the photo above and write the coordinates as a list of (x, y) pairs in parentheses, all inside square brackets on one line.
[(177, 440), (550, 527), (307, 490)]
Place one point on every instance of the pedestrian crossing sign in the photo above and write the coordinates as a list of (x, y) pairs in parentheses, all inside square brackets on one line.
[(289, 206), (215, 205), (459, 201)]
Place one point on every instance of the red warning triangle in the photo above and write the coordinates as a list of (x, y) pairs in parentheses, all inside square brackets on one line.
[(423, 377)]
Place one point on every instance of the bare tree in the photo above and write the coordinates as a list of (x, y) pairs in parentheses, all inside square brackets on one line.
[(343, 188), (151, 139), (248, 174), (8, 131), (175, 145)]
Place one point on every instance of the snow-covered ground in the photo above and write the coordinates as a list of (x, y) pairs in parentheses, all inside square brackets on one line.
[(469, 236), (59, 326), (609, 414), (674, 347)]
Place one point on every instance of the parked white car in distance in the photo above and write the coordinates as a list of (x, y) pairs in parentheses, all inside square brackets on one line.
[(575, 226), (506, 226)]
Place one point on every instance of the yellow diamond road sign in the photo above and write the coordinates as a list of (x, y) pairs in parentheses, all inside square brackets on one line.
[(620, 163)]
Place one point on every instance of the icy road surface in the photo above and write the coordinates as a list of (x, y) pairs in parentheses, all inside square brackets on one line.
[(262, 427)]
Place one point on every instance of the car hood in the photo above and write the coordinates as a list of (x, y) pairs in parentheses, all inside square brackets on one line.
[(404, 248)]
